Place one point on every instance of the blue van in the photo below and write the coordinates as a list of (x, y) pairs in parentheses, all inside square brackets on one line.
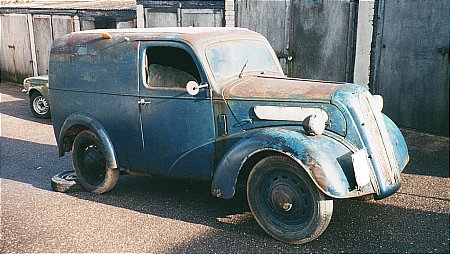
[(214, 104)]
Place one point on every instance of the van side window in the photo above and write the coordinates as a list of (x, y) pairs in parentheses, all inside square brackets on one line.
[(169, 67)]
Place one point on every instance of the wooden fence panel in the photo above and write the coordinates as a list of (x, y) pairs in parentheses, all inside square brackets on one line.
[(15, 57), (8, 69), (126, 24), (201, 18), (42, 27), (61, 25), (174, 17), (87, 23), (161, 19)]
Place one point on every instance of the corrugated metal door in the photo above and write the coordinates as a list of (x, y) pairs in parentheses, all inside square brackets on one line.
[(410, 64)]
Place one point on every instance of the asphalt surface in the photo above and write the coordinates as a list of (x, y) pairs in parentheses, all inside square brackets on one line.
[(158, 215)]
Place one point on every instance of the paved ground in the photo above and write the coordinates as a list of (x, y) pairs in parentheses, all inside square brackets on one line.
[(157, 215)]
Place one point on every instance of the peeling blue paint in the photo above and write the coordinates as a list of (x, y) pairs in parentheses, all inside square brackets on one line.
[(177, 134)]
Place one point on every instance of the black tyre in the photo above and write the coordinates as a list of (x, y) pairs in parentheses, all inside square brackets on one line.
[(285, 202), (65, 182), (39, 106), (88, 156)]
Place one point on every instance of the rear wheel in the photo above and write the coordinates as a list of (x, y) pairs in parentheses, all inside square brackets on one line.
[(39, 106), (89, 161), (285, 202)]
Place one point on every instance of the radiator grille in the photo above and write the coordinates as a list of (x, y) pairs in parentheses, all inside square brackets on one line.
[(377, 136)]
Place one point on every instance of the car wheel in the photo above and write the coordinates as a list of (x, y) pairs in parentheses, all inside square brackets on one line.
[(285, 202), (39, 106), (88, 156), (65, 182)]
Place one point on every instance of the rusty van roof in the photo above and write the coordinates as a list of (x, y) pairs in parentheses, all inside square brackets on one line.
[(190, 34)]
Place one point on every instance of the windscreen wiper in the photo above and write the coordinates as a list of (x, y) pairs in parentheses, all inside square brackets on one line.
[(243, 68)]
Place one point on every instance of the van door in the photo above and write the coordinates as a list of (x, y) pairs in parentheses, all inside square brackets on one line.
[(178, 128)]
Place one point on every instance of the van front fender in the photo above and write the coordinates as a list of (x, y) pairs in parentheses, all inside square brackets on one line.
[(77, 122), (324, 159)]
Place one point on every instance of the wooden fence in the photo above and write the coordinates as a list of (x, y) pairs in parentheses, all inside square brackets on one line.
[(26, 39)]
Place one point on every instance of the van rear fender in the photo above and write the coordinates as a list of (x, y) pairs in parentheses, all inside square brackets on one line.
[(76, 123)]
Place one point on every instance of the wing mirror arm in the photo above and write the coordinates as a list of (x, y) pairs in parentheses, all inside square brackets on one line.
[(193, 87)]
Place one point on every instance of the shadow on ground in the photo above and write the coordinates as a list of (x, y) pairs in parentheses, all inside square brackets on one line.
[(429, 154), (20, 106), (356, 226)]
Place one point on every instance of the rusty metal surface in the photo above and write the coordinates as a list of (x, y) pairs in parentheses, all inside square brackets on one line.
[(80, 58), (90, 45), (193, 35), (367, 128), (151, 121), (381, 146), (325, 160), (280, 89), (244, 114)]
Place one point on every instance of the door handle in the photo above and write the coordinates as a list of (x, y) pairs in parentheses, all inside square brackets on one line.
[(143, 102)]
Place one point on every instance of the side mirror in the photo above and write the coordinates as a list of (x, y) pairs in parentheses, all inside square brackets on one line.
[(193, 87)]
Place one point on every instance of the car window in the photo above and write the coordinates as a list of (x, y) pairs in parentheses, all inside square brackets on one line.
[(169, 67), (229, 59)]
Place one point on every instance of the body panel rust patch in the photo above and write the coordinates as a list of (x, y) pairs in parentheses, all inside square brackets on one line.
[(278, 88)]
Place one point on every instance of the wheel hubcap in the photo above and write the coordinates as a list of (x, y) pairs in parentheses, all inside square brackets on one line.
[(93, 163), (282, 196), (286, 199), (40, 105), (91, 160)]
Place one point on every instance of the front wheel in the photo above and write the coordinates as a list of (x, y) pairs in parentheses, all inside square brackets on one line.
[(89, 161), (285, 202), (39, 106)]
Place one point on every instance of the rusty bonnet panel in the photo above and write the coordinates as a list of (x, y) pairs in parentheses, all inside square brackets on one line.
[(280, 89)]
